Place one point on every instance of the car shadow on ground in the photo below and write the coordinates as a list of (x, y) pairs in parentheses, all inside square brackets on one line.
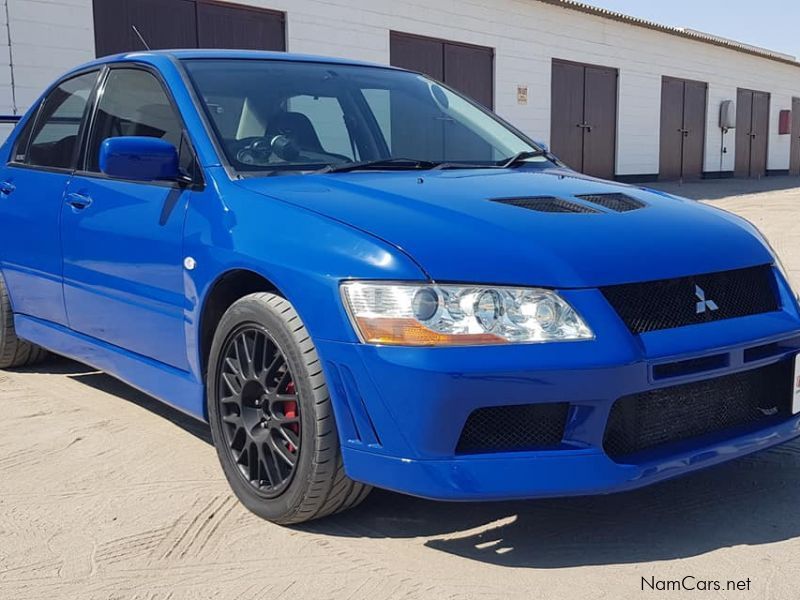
[(57, 365), (750, 501), (715, 189)]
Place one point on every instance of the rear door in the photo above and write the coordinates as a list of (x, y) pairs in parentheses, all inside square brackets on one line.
[(123, 240), (31, 196)]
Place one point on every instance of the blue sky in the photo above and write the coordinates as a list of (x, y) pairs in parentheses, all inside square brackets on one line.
[(772, 24)]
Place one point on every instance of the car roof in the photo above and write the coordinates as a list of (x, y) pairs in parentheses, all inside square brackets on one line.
[(182, 54)]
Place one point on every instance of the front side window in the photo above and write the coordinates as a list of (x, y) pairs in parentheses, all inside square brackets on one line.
[(273, 115), (133, 103), (54, 137)]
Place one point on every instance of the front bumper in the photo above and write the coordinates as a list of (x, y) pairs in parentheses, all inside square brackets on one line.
[(400, 411)]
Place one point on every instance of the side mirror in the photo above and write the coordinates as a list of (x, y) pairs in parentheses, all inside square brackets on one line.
[(542, 145), (139, 158)]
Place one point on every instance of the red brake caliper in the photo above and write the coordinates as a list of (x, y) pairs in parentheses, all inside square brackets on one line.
[(290, 410)]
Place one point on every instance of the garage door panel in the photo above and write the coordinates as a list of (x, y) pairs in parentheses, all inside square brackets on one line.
[(694, 125), (418, 54), (671, 137), (600, 114), (744, 117), (794, 163), (758, 160), (567, 93), (221, 26), (471, 71), (468, 69), (163, 24), (184, 24)]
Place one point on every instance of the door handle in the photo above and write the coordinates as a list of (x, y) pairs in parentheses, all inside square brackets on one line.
[(78, 201), (7, 188), (585, 126)]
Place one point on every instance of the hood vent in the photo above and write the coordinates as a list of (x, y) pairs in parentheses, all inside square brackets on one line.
[(547, 204), (616, 202)]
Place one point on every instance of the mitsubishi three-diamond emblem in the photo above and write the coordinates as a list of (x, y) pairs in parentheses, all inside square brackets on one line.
[(703, 305)]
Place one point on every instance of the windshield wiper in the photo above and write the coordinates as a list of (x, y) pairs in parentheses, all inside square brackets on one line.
[(408, 163), (520, 157), (456, 165)]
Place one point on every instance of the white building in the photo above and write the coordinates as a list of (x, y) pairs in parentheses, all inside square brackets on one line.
[(587, 81)]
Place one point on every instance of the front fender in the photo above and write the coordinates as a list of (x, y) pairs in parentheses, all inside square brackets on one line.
[(303, 254)]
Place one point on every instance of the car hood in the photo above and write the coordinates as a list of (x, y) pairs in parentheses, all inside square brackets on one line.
[(449, 223)]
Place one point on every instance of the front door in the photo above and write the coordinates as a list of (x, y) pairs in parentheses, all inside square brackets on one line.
[(31, 193), (122, 240)]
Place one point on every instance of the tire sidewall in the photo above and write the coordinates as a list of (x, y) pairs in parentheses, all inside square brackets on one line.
[(258, 312)]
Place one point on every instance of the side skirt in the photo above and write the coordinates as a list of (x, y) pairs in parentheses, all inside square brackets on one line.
[(174, 387)]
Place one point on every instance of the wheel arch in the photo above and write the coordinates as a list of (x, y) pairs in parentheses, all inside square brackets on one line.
[(222, 293)]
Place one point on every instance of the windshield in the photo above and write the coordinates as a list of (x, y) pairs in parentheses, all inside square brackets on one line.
[(271, 115)]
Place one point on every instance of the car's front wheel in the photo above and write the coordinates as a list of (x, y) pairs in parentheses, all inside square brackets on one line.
[(271, 415)]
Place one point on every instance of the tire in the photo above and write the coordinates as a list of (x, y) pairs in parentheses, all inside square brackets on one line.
[(251, 418), (14, 352)]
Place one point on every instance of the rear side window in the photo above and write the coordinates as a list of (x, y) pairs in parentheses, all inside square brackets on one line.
[(134, 103), (53, 139)]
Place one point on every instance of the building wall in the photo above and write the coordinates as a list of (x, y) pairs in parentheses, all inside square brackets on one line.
[(49, 36)]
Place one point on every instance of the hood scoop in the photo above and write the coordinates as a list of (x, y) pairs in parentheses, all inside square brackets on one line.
[(546, 204), (614, 201)]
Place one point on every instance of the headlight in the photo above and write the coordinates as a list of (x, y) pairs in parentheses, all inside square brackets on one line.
[(457, 315)]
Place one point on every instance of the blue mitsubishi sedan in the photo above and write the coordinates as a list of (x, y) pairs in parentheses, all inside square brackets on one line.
[(361, 278)]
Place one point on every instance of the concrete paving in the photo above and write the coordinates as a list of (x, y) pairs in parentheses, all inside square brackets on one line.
[(105, 493)]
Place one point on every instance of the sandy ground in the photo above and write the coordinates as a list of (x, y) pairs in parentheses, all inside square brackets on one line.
[(104, 493)]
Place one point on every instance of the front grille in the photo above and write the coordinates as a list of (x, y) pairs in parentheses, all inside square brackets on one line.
[(548, 204), (650, 419), (616, 202), (514, 428), (670, 303)]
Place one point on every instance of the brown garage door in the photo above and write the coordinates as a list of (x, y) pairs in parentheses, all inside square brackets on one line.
[(683, 128), (794, 164), (583, 117), (752, 130), (185, 24), (467, 68)]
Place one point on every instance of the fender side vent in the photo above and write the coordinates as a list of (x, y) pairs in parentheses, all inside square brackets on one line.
[(546, 204), (616, 202)]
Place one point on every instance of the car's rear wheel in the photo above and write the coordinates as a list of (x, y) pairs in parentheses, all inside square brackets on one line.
[(271, 415), (14, 352)]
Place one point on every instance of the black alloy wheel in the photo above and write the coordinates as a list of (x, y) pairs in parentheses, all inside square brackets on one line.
[(272, 417), (259, 409)]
